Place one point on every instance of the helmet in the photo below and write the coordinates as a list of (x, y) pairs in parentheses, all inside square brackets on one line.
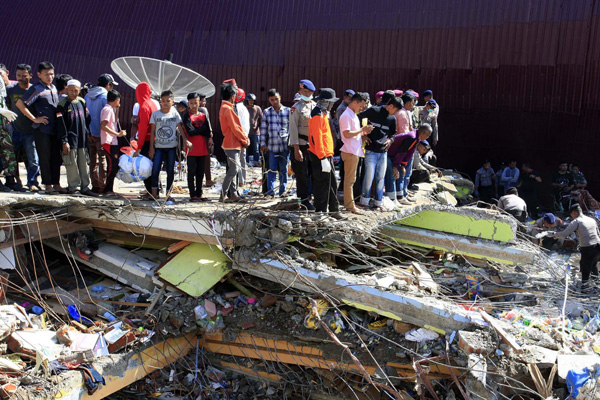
[(241, 95)]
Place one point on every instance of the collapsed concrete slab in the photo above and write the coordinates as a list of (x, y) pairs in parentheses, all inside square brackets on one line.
[(425, 311), (467, 221), (117, 263), (505, 253)]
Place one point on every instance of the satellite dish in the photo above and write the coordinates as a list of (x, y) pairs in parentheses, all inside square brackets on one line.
[(161, 75)]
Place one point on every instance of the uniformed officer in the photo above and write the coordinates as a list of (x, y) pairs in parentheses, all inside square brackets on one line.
[(300, 115)]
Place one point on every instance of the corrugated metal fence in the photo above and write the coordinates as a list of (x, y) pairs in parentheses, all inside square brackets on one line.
[(514, 78)]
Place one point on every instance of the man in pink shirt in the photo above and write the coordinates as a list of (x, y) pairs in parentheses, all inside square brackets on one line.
[(404, 116), (352, 135)]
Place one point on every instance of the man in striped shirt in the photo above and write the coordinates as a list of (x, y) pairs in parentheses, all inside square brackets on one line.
[(274, 134)]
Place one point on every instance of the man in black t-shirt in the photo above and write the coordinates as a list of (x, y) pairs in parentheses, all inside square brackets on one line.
[(379, 141)]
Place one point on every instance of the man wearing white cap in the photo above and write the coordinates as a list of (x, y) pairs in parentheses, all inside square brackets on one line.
[(72, 119)]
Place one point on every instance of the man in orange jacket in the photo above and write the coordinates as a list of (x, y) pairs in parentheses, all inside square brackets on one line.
[(320, 153), (234, 140)]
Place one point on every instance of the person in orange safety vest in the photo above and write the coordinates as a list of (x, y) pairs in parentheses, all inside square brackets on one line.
[(320, 153)]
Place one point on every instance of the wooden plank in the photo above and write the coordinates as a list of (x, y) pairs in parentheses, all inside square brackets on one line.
[(507, 338), (127, 239)]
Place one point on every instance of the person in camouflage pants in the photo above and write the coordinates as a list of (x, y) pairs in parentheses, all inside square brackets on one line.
[(7, 153)]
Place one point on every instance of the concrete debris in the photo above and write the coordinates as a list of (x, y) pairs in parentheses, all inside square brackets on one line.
[(254, 301)]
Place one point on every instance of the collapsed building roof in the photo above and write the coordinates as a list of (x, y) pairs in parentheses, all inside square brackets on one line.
[(418, 302)]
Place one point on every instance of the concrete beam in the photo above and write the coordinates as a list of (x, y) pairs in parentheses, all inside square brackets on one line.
[(466, 221), (115, 262), (505, 253), (428, 312), (171, 226)]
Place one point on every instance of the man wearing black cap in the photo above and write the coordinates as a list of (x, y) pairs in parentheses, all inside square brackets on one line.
[(588, 235), (96, 100), (300, 115), (320, 153)]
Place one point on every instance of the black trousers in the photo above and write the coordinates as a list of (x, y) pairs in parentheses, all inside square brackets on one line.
[(519, 215), (418, 176), (112, 153), (324, 186), (145, 151), (302, 172), (360, 176), (195, 176), (590, 255), (486, 193), (48, 148)]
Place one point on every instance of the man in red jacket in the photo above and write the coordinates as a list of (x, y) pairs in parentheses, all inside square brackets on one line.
[(147, 107), (320, 153)]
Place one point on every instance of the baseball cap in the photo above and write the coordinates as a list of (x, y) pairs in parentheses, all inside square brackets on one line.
[(105, 79), (183, 103), (305, 83), (424, 143), (297, 96), (427, 93), (379, 94), (251, 96), (349, 92), (398, 92), (326, 94), (432, 103)]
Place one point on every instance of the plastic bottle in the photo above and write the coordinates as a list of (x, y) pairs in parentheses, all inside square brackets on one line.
[(200, 312)]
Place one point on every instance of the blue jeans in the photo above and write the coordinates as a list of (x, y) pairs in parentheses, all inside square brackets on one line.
[(278, 162), (25, 140), (168, 157), (393, 187), (406, 179), (253, 148), (375, 165)]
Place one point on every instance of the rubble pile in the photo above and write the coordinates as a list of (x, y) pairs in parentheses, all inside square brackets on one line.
[(122, 300)]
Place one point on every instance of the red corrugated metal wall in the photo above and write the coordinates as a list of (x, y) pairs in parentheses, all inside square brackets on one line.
[(514, 78)]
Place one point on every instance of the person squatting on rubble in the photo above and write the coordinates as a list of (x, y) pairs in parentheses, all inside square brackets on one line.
[(72, 121), (234, 140), (549, 222), (42, 98), (165, 128), (421, 168), (274, 136), (513, 204), (320, 154), (588, 235), (198, 131)]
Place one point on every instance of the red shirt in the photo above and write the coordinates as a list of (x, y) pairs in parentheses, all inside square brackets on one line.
[(199, 142)]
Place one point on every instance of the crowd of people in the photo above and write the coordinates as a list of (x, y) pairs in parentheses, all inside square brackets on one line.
[(383, 148), (518, 190)]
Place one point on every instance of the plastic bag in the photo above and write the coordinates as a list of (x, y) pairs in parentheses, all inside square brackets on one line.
[(421, 335), (134, 169)]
